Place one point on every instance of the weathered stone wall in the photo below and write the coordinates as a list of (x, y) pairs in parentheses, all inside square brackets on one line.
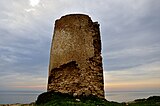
[(75, 58)]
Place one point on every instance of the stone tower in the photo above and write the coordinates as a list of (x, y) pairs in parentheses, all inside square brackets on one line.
[(75, 58)]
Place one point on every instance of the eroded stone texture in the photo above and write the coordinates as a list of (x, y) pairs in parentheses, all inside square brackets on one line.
[(75, 58)]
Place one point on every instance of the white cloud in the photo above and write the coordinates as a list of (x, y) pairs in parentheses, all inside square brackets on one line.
[(135, 51), (145, 77), (34, 3), (31, 9), (128, 29)]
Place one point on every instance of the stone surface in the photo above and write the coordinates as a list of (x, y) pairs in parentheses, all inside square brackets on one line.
[(75, 58)]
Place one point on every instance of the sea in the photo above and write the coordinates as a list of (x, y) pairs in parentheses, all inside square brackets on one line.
[(129, 96), (11, 97)]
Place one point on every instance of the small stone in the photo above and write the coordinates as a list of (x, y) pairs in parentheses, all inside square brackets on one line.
[(78, 100), (75, 94)]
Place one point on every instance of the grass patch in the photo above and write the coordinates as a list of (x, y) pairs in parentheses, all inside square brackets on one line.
[(151, 101)]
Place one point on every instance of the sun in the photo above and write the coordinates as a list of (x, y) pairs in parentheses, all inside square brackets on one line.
[(33, 3)]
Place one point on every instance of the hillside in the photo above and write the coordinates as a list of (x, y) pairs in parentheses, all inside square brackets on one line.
[(59, 99)]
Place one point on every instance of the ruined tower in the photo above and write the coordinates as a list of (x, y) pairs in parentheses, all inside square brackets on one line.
[(75, 58)]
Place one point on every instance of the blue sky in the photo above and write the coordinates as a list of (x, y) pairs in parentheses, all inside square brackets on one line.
[(130, 33)]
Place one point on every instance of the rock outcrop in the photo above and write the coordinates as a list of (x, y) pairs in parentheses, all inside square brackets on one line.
[(75, 58)]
